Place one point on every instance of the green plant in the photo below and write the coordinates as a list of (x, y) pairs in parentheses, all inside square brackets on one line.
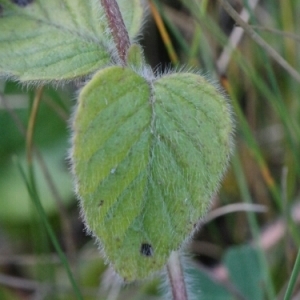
[(135, 134), (148, 150)]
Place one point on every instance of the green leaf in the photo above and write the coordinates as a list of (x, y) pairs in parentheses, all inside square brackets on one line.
[(245, 271), (201, 286), (57, 40), (135, 57), (148, 155)]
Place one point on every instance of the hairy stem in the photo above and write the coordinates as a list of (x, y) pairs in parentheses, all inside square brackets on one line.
[(176, 277), (117, 27)]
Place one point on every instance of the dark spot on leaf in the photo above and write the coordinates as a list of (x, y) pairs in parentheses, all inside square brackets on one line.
[(1, 11), (100, 203), (22, 3), (146, 249)]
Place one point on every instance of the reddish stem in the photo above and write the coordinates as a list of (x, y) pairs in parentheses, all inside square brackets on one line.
[(176, 277), (117, 27)]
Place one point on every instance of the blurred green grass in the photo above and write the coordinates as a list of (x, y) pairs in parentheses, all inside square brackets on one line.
[(239, 255)]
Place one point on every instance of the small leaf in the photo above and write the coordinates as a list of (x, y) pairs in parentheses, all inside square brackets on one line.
[(135, 56), (57, 40), (201, 286), (245, 271), (148, 156)]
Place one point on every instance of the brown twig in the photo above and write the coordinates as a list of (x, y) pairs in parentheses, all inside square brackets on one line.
[(117, 27)]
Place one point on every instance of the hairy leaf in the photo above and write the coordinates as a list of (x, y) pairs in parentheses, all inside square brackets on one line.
[(59, 39), (148, 155)]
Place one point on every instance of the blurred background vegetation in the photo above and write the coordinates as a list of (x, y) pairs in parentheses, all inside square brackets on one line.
[(248, 244)]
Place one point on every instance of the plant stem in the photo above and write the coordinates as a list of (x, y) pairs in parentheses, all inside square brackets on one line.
[(176, 277), (117, 27), (31, 123)]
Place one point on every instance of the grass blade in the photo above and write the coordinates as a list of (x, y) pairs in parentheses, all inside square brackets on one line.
[(31, 187)]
